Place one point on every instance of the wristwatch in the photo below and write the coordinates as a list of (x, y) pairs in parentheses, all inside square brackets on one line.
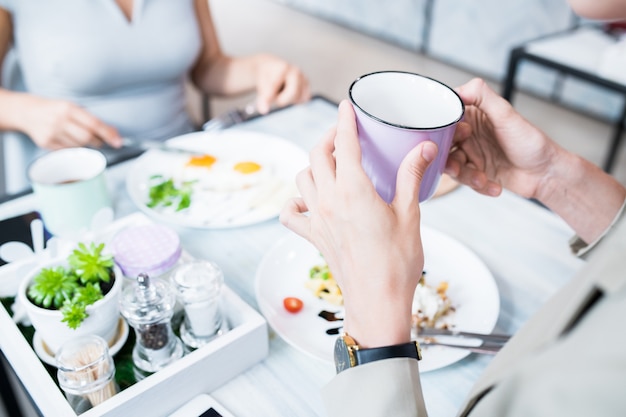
[(349, 354)]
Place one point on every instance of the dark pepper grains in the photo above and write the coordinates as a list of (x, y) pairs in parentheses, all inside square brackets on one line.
[(154, 336)]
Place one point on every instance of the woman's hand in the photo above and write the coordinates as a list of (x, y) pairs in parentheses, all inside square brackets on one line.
[(373, 249), (279, 83), (496, 147), (275, 81), (54, 124)]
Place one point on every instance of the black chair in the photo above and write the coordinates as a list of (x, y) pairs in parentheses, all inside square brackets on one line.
[(535, 51)]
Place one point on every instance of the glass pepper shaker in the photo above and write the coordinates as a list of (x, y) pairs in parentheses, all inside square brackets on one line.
[(199, 285), (148, 306)]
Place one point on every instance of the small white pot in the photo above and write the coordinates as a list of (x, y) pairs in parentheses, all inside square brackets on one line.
[(103, 318)]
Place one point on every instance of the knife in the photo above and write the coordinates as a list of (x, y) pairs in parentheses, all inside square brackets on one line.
[(147, 145), (231, 118), (493, 338), (484, 349)]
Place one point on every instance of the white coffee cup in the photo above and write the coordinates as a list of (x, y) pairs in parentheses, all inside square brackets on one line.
[(70, 188)]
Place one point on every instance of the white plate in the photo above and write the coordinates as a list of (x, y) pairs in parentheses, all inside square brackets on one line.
[(285, 268), (220, 209)]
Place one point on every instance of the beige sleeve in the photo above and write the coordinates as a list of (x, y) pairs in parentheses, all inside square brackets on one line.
[(389, 387), (581, 248)]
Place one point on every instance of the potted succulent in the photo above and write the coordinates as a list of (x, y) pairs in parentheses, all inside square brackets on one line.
[(74, 296)]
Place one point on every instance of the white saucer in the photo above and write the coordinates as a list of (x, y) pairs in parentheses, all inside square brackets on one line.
[(44, 353)]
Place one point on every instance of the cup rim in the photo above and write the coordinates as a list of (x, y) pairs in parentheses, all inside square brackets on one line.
[(397, 125), (94, 152)]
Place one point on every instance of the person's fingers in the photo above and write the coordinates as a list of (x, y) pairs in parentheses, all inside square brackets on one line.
[(493, 189), (457, 158), (462, 132), (453, 167), (290, 89), (60, 142), (110, 136), (65, 140), (482, 185), (477, 180), (80, 136), (478, 93), (100, 130), (296, 89), (465, 172), (292, 217), (309, 190), (323, 162), (347, 146), (305, 91), (411, 173), (268, 89)]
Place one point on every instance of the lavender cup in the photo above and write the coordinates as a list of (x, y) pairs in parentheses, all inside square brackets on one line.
[(395, 111)]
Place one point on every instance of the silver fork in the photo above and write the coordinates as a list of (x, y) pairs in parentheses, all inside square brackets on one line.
[(230, 118)]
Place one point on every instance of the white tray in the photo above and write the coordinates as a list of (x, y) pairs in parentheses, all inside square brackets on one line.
[(200, 371)]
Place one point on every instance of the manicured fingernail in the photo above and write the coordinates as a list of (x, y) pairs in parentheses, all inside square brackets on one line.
[(493, 189), (429, 151)]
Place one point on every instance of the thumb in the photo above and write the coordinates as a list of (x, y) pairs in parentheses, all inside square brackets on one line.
[(267, 92), (411, 173), (263, 103)]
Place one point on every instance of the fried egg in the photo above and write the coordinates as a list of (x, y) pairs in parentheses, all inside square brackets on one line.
[(225, 175)]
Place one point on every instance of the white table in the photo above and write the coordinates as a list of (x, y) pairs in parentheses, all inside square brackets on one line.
[(523, 244)]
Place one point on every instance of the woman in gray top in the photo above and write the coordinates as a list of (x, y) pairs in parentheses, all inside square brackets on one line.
[(95, 71)]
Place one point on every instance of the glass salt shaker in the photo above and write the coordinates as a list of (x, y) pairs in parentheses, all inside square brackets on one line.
[(86, 372), (148, 306), (199, 286)]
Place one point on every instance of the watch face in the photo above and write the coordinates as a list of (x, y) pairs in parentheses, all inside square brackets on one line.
[(342, 355)]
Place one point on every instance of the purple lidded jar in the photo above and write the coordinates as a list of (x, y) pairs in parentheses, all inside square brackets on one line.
[(151, 249)]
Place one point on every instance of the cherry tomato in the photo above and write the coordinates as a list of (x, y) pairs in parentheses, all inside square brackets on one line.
[(293, 304)]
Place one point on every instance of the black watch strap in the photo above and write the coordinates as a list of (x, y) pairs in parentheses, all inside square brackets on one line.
[(405, 350)]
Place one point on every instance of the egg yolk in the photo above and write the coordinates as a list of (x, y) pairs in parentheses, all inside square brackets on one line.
[(205, 161), (247, 167)]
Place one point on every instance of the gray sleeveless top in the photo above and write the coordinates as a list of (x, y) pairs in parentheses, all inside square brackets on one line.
[(129, 74)]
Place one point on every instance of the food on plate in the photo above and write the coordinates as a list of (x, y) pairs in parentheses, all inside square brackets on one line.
[(293, 304), (247, 167), (201, 176), (205, 161), (165, 193), (322, 284), (430, 304), (224, 174)]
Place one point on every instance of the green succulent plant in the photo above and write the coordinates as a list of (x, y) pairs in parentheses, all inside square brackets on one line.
[(52, 286), (72, 289), (90, 264), (73, 314)]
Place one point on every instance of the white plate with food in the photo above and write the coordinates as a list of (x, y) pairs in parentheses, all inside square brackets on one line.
[(474, 301), (226, 179)]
